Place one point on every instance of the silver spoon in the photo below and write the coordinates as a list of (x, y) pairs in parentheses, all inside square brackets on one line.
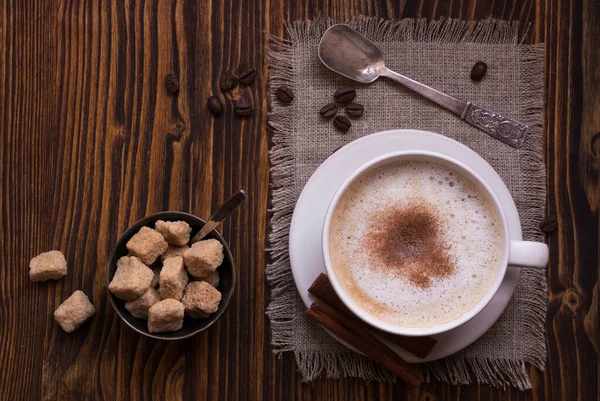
[(350, 54), (228, 207)]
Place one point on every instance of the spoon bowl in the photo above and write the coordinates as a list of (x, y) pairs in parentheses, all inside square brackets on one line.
[(350, 54)]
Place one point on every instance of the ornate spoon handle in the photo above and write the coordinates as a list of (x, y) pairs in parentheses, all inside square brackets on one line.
[(498, 126), (505, 129)]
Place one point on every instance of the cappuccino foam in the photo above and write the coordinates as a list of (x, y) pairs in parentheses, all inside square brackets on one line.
[(415, 243)]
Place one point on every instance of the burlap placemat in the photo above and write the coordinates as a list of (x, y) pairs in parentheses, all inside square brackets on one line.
[(439, 54)]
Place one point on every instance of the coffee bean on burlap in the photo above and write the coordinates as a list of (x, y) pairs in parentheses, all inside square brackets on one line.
[(328, 111), (478, 71), (342, 123), (345, 95), (355, 110), (285, 94)]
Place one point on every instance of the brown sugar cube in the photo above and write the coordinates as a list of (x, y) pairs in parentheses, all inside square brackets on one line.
[(166, 315), (48, 266), (173, 250), (139, 307), (213, 279), (147, 244), (72, 313), (200, 299), (131, 279), (203, 258), (175, 232), (173, 278), (154, 282)]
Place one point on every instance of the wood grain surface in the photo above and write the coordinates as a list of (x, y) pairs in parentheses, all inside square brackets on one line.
[(91, 141)]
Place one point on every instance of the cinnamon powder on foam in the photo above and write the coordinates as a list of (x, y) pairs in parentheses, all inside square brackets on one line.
[(408, 242)]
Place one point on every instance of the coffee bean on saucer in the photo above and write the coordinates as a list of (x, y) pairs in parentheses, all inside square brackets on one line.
[(172, 83), (549, 224), (355, 110), (247, 76), (214, 105), (478, 71), (285, 94), (228, 81), (243, 108), (342, 123), (328, 111), (345, 95)]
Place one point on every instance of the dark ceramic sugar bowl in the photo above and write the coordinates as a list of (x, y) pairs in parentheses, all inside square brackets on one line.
[(190, 326)]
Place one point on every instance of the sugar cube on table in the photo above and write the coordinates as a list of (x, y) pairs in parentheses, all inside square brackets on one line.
[(203, 258), (147, 244), (72, 313), (175, 232), (173, 278), (131, 279), (139, 306), (50, 265), (200, 299), (166, 315)]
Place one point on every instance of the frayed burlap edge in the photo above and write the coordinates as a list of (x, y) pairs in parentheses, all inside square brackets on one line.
[(282, 307)]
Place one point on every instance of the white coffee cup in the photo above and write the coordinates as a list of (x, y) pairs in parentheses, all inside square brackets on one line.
[(519, 253)]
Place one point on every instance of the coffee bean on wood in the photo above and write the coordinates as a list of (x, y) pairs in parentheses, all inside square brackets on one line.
[(228, 81), (214, 105), (247, 76), (285, 94), (478, 71), (345, 95), (328, 111), (549, 224), (355, 110), (342, 123), (172, 83), (243, 108)]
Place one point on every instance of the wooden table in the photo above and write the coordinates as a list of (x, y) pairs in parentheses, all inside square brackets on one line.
[(91, 141)]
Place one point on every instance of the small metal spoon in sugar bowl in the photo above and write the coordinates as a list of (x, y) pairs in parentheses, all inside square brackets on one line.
[(350, 54), (228, 207)]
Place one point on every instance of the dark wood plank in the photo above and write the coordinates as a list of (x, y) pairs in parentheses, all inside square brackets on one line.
[(91, 142), (572, 368), (27, 123)]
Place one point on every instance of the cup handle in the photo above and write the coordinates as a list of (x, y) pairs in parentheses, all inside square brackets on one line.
[(528, 254)]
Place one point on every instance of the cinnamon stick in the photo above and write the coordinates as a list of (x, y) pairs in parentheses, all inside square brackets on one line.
[(354, 334), (420, 346)]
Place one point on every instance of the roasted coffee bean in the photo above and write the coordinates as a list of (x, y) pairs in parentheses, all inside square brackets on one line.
[(355, 110), (246, 77), (172, 83), (328, 111), (214, 105), (284, 94), (243, 108), (549, 224), (345, 95), (342, 123), (478, 71), (228, 81)]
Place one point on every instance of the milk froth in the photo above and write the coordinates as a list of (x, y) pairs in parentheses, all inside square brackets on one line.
[(415, 243)]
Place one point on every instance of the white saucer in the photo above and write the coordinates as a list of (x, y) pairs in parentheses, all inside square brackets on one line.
[(306, 254)]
